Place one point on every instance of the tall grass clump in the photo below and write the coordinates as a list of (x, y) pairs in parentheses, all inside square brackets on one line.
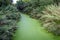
[(51, 19)]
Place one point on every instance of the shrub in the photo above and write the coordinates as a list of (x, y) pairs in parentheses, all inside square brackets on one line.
[(5, 2), (27, 7), (9, 17), (21, 5), (51, 19)]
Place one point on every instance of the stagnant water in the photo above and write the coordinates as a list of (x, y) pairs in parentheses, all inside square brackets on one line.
[(30, 29)]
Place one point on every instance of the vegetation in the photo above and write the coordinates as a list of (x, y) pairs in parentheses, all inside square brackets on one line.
[(27, 7), (9, 17), (56, 2), (5, 2), (46, 11), (8, 22), (51, 19)]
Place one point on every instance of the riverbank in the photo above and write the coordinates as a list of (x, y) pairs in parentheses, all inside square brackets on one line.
[(30, 29)]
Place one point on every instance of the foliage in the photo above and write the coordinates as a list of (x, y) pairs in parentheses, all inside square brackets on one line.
[(27, 7), (41, 2), (21, 5), (50, 16), (51, 19), (4, 3), (9, 17), (56, 2)]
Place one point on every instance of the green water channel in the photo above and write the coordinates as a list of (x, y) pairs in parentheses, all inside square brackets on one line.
[(30, 29)]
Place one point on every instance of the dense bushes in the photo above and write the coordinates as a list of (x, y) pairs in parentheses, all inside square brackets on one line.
[(27, 7), (5, 2), (21, 5), (9, 16), (51, 19)]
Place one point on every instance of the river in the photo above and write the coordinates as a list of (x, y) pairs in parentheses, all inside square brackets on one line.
[(31, 29)]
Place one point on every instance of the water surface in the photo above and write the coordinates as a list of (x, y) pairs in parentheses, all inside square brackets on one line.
[(30, 29)]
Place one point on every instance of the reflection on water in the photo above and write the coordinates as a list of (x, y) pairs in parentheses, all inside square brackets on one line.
[(30, 29)]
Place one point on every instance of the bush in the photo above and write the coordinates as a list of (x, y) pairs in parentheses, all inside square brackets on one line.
[(9, 17), (21, 5), (51, 19), (5, 2), (27, 7)]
